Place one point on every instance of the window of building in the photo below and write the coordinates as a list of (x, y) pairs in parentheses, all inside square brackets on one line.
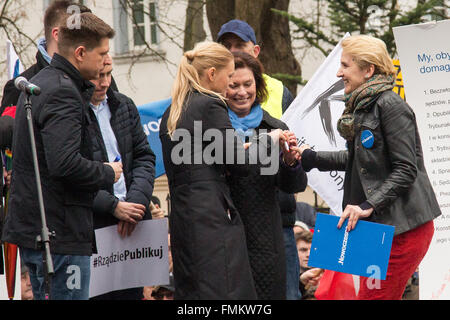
[(46, 3), (136, 24), (144, 20)]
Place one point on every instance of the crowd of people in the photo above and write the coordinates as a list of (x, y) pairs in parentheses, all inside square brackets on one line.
[(236, 230)]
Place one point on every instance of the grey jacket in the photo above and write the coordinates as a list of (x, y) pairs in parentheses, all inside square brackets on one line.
[(391, 173)]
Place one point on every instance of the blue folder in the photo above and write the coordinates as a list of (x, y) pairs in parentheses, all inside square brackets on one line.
[(363, 251)]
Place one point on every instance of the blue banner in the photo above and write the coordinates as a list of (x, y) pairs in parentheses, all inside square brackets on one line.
[(151, 114)]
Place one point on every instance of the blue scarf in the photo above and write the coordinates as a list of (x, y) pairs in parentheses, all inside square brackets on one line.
[(42, 47), (245, 126)]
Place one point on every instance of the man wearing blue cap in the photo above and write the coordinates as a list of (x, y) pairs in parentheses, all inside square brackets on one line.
[(238, 35)]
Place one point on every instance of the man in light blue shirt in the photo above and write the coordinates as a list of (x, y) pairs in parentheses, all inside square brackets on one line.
[(117, 135), (127, 212)]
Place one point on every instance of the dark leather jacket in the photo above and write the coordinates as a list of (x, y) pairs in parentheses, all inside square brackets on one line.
[(391, 174)]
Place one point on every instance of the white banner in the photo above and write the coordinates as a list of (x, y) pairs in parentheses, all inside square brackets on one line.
[(17, 287), (313, 116), (135, 261), (13, 64), (424, 52)]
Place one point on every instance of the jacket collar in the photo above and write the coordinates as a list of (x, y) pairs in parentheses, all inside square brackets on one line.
[(40, 61), (371, 103), (113, 102), (63, 64)]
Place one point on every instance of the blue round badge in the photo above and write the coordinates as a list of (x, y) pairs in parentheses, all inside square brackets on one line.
[(367, 139)]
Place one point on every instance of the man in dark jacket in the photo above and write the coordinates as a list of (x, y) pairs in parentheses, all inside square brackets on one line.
[(69, 176), (117, 133)]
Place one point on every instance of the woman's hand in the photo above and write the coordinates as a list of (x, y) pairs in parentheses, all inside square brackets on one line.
[(277, 135), (353, 213), (300, 149), (290, 156)]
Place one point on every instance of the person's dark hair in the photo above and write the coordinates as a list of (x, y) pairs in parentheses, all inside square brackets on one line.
[(156, 200), (304, 235), (160, 292), (89, 33), (243, 60), (56, 14)]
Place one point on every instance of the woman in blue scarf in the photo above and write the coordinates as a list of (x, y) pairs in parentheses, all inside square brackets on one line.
[(255, 196)]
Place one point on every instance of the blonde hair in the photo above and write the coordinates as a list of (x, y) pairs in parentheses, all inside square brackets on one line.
[(193, 65), (367, 50)]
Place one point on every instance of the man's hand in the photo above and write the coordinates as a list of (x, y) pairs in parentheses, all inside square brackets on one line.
[(129, 212), (117, 167), (125, 229)]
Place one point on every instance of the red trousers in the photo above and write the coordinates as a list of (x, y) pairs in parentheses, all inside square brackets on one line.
[(408, 250)]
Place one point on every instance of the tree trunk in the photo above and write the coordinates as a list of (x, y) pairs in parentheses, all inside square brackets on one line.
[(219, 12), (193, 30), (272, 31), (276, 46)]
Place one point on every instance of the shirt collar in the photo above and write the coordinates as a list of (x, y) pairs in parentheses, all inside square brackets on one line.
[(101, 106)]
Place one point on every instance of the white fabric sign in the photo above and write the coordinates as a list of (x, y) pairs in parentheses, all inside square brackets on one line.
[(17, 288), (13, 64), (424, 52), (135, 261), (313, 116)]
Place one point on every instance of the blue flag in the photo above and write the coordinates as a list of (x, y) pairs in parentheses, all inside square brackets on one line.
[(151, 114)]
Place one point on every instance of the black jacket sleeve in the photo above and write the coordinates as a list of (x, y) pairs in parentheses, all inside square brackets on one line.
[(10, 95), (286, 100), (141, 187), (104, 203), (60, 122), (6, 131), (291, 179)]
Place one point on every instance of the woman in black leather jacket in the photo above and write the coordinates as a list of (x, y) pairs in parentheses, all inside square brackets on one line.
[(385, 176)]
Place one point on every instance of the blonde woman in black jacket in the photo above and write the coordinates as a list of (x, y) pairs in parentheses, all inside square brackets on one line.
[(385, 176), (210, 258)]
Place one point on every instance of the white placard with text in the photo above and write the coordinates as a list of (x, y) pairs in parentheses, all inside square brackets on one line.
[(424, 52), (135, 261)]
